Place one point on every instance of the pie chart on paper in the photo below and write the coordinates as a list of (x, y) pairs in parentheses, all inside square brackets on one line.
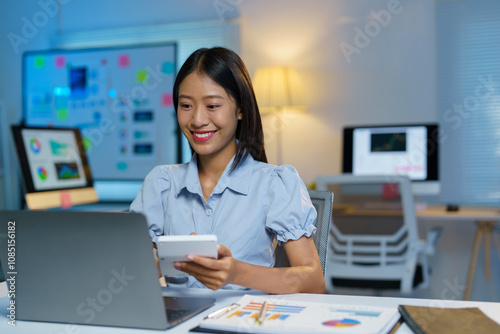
[(341, 323)]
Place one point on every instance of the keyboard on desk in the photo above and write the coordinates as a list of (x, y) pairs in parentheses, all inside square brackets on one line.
[(173, 315), (181, 309)]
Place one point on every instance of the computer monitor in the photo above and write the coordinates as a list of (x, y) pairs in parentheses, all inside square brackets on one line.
[(54, 167), (409, 149)]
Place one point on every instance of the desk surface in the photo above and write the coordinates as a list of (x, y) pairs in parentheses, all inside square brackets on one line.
[(423, 212), (464, 213), (225, 297)]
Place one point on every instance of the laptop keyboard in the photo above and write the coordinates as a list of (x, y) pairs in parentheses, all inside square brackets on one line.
[(173, 315)]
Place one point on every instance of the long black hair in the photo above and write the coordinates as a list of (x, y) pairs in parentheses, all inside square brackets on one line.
[(227, 69)]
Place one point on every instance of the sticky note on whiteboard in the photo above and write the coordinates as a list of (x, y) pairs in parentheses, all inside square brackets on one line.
[(142, 76), (167, 100), (167, 68), (60, 61), (123, 60), (40, 62)]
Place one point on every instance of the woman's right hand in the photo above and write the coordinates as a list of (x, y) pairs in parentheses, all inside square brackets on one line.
[(157, 260)]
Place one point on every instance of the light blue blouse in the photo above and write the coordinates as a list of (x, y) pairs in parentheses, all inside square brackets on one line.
[(247, 209)]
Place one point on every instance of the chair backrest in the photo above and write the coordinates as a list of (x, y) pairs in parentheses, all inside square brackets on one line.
[(371, 232), (323, 202)]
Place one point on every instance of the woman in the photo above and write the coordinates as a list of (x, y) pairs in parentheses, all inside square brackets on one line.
[(228, 189)]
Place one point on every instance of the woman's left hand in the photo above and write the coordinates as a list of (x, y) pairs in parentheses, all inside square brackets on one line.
[(213, 273)]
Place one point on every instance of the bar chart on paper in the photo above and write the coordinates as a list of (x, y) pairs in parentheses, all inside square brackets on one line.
[(286, 316), (274, 311)]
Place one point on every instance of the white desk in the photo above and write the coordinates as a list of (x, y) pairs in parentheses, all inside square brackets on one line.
[(227, 297), (463, 214)]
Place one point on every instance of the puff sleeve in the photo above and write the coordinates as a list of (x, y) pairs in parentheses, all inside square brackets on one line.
[(290, 213)]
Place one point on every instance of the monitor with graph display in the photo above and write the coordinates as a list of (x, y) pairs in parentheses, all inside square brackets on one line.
[(54, 167), (410, 150)]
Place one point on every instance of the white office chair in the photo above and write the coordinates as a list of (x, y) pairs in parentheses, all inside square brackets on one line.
[(374, 239)]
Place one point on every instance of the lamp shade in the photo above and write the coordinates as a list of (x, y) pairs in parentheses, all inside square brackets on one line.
[(278, 88)]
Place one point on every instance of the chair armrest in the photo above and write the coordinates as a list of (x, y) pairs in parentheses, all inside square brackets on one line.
[(410, 267)]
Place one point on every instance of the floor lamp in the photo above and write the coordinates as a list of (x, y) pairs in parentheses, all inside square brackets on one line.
[(278, 91)]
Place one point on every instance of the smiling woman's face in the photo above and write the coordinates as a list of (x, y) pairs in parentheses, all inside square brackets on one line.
[(207, 116)]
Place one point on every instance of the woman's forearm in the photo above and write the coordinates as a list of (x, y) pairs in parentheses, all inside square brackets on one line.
[(298, 279)]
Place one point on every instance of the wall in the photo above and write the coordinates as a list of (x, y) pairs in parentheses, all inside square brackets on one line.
[(390, 80)]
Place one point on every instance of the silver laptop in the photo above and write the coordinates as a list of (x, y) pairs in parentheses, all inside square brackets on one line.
[(93, 268)]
